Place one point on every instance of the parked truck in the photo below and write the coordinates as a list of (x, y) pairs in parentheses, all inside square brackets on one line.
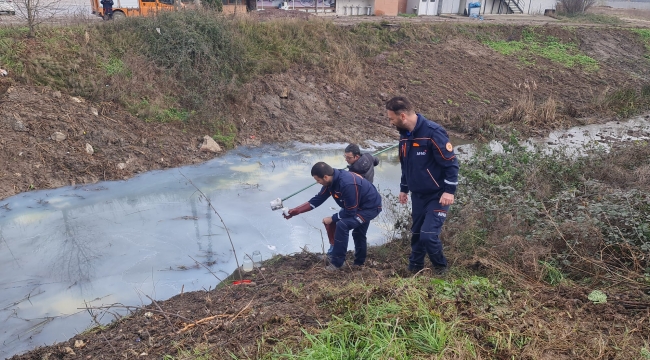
[(122, 8)]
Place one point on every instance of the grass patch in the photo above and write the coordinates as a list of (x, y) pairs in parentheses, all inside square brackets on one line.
[(225, 133), (645, 37), (549, 47), (114, 66), (628, 101), (400, 327), (591, 19)]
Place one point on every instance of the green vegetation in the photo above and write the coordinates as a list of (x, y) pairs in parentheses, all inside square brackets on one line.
[(645, 36), (552, 275), (535, 194), (198, 353), (591, 19), (549, 47), (114, 66), (407, 326), (475, 96), (627, 102)]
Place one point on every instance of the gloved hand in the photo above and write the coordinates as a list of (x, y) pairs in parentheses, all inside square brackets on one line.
[(298, 210)]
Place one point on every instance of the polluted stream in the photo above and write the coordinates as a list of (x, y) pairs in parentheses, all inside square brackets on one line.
[(67, 250)]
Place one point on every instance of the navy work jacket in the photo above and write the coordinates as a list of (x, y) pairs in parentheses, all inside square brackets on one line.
[(429, 165), (351, 192)]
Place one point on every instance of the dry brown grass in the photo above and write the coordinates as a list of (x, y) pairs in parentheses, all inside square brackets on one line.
[(527, 113), (623, 167)]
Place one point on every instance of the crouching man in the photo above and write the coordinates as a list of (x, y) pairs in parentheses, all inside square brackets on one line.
[(360, 202)]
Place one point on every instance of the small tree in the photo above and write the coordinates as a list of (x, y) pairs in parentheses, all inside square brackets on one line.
[(574, 7), (214, 4), (35, 12)]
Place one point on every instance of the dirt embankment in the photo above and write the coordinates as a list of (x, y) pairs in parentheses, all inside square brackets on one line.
[(52, 140), (461, 83), (293, 293)]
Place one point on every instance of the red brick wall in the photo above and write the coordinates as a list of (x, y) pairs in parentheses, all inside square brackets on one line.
[(387, 7)]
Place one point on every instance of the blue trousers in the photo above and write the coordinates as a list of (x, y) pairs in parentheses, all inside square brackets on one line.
[(428, 217), (359, 226)]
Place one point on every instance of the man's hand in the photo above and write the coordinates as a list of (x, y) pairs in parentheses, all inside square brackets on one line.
[(290, 214), (445, 200), (403, 198), (327, 220)]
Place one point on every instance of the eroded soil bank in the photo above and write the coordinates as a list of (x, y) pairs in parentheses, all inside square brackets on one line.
[(454, 79)]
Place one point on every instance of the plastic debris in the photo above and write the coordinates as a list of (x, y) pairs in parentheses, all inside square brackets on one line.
[(597, 297)]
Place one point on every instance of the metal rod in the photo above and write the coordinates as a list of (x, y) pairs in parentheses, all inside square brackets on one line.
[(307, 187)]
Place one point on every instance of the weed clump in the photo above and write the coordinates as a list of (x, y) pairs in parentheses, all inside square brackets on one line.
[(555, 212)]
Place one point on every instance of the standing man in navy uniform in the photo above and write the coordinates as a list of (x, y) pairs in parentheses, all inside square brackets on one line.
[(360, 202), (430, 173)]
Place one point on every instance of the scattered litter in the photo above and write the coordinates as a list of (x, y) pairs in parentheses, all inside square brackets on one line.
[(597, 297)]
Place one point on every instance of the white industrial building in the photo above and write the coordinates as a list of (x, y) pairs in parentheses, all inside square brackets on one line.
[(441, 7)]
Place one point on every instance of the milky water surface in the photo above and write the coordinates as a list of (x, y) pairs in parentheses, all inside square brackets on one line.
[(119, 242)]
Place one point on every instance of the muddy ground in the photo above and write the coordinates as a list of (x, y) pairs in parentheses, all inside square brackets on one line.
[(292, 293)]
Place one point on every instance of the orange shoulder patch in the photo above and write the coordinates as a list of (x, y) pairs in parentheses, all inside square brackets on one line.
[(449, 147)]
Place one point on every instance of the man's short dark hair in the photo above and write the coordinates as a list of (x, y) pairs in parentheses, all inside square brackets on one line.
[(354, 149), (399, 104), (320, 169)]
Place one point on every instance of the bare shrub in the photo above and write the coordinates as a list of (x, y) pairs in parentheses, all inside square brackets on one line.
[(574, 7), (518, 113), (521, 254), (571, 110), (395, 219), (627, 167), (547, 112), (35, 12)]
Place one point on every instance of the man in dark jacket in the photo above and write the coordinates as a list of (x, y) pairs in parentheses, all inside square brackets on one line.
[(360, 202), (108, 8), (430, 173), (363, 165)]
